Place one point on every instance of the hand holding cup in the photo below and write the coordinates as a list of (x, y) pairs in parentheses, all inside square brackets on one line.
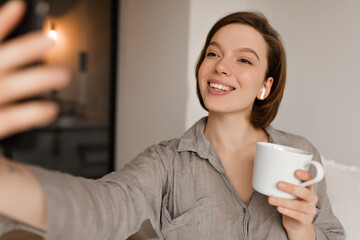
[(281, 173)]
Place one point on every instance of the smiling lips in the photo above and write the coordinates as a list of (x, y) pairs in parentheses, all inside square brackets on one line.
[(217, 88)]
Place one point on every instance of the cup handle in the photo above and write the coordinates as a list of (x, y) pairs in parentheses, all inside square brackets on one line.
[(319, 174)]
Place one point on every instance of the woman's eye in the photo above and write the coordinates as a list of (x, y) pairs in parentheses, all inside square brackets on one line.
[(211, 54), (243, 60)]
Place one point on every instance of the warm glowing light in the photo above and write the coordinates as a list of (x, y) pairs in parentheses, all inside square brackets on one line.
[(53, 34)]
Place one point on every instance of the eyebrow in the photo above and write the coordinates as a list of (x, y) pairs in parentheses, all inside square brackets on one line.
[(216, 44)]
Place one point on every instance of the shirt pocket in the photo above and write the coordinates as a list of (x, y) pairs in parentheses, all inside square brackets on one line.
[(194, 223)]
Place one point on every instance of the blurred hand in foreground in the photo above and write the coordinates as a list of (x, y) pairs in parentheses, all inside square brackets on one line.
[(17, 82)]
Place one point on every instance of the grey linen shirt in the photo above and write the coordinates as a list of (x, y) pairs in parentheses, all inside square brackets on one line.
[(182, 187)]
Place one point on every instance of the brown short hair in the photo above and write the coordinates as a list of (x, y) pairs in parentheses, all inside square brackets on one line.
[(263, 112)]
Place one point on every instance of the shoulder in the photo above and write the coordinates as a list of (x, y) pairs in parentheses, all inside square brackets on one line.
[(155, 160), (165, 151), (167, 148), (292, 140)]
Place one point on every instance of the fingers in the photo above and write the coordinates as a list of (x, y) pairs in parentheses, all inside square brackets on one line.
[(301, 217), (301, 210), (305, 193), (18, 83), (20, 117), (11, 14), (32, 82), (23, 50), (302, 207), (303, 175)]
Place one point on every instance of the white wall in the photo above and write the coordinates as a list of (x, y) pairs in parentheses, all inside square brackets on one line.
[(160, 42), (152, 88), (323, 50)]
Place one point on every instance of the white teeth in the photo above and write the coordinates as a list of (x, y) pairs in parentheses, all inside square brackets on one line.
[(220, 87)]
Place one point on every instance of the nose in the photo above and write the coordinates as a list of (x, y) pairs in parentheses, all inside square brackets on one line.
[(223, 67)]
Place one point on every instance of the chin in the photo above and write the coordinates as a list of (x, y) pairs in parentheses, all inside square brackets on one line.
[(223, 109), (218, 109)]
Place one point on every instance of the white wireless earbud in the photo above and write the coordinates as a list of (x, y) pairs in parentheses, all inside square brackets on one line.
[(262, 94)]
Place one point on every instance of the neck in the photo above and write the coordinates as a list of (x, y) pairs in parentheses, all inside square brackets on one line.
[(231, 132)]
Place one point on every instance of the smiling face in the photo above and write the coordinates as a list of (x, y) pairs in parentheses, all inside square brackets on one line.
[(232, 73)]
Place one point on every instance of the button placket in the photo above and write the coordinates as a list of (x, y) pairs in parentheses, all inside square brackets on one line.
[(246, 221)]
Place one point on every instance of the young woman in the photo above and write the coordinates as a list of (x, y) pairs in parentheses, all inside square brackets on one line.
[(195, 187)]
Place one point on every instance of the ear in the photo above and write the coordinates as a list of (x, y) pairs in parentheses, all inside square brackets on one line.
[(267, 87)]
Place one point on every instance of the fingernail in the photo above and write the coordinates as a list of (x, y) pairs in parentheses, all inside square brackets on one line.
[(47, 40), (272, 200), (282, 185), (12, 5), (280, 209), (52, 110)]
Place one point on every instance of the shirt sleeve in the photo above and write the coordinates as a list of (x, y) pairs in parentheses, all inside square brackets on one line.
[(112, 207), (326, 224), (8, 225)]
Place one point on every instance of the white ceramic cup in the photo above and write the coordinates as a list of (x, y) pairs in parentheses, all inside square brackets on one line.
[(274, 163)]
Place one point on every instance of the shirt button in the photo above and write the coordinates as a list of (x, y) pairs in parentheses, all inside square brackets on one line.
[(244, 210)]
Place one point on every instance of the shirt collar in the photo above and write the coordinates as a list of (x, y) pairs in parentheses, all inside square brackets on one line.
[(194, 139)]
